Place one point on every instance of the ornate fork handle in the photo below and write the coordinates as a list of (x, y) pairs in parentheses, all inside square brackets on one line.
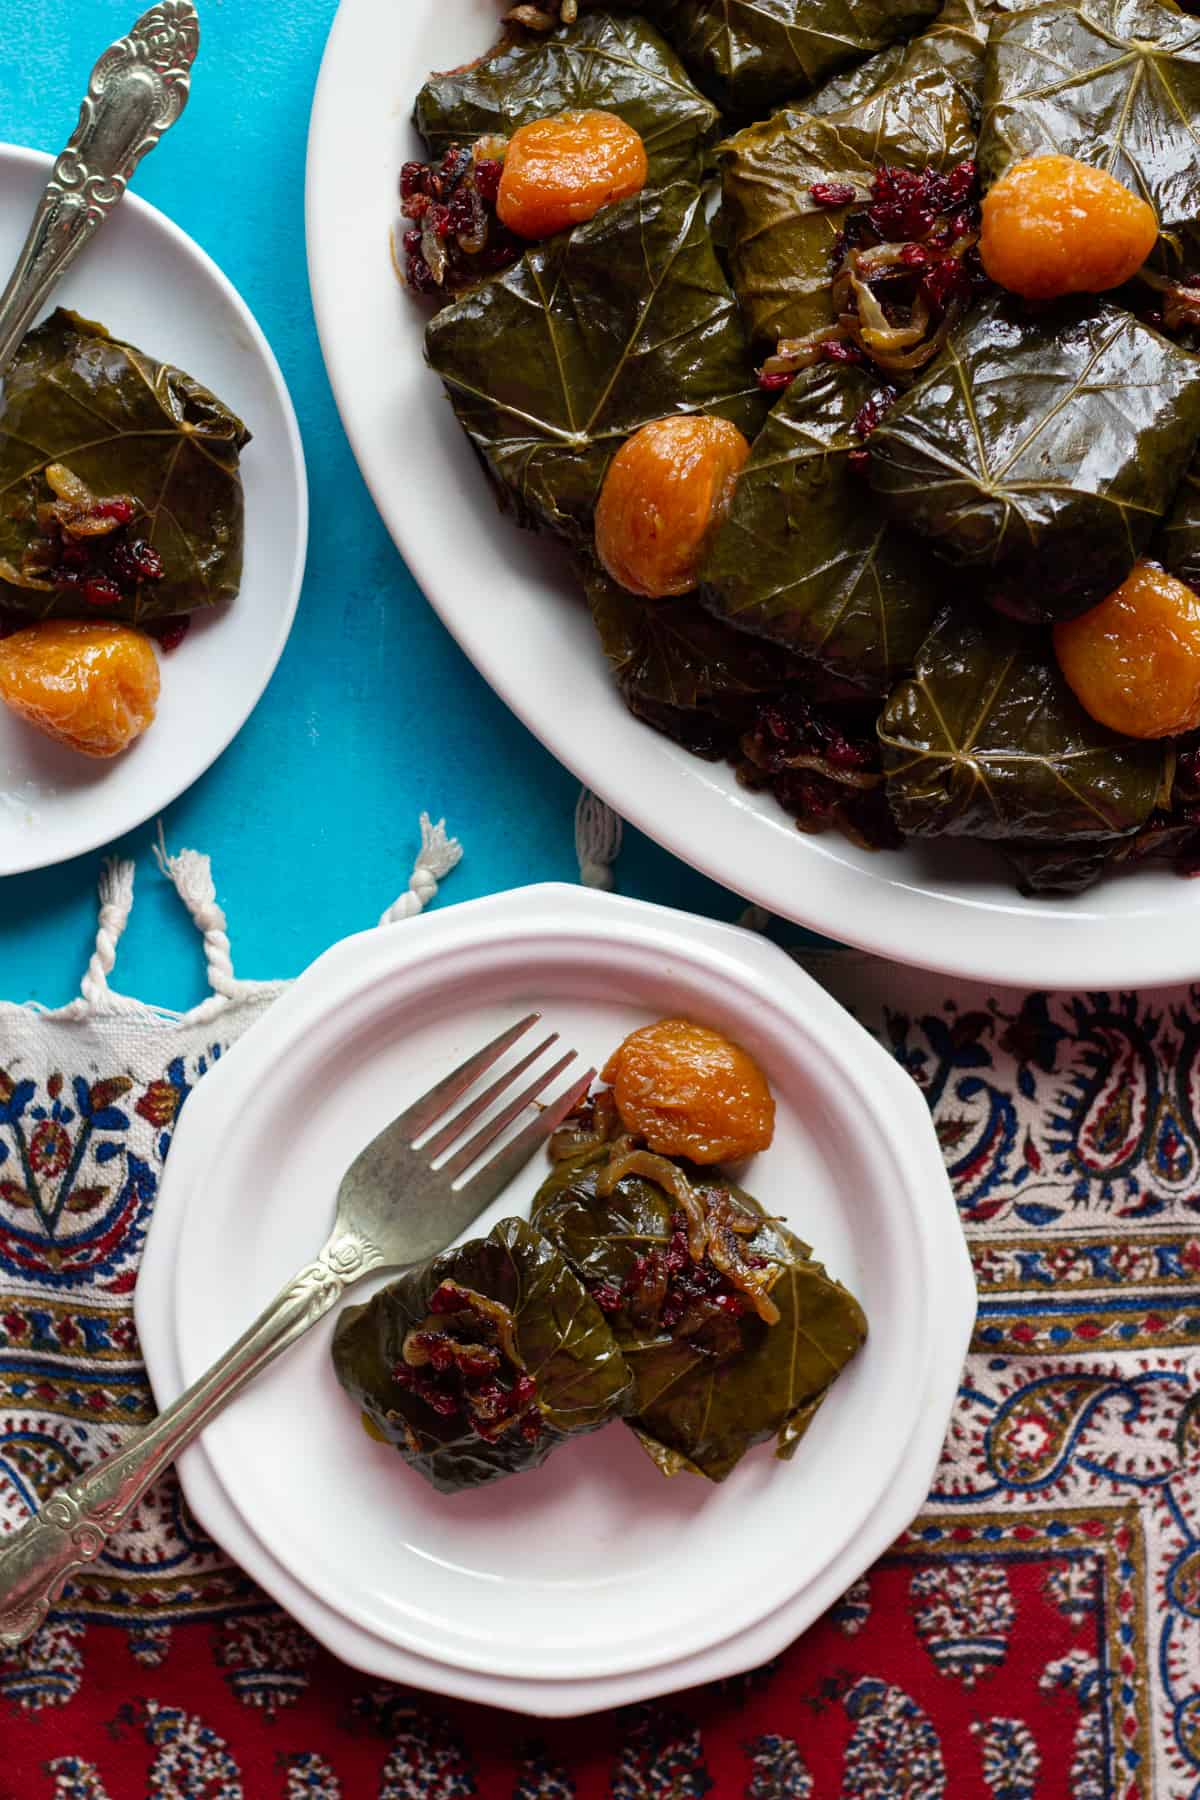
[(138, 88), (73, 1527)]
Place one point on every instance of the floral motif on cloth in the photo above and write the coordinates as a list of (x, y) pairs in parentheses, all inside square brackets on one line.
[(1034, 1635)]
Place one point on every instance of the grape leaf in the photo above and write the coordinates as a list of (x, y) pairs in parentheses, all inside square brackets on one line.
[(804, 558), (1042, 448), (613, 61), (914, 116), (560, 1334), (1115, 83), (1177, 545), (551, 365), (124, 424), (751, 54), (693, 1410), (987, 741)]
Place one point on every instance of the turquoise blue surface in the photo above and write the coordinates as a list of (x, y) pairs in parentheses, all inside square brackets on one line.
[(374, 713)]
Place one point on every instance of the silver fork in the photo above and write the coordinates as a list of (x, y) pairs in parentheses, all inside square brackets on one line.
[(393, 1208)]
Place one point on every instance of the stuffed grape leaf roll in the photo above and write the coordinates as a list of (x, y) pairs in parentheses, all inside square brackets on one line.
[(751, 54), (614, 61), (729, 1347), (804, 558), (120, 488), (481, 1362), (1041, 449), (1115, 83), (986, 740), (781, 178), (592, 335)]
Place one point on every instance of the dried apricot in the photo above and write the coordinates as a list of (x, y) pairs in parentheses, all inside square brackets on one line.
[(688, 1091), (1053, 226), (92, 686), (1133, 662), (666, 489), (561, 171)]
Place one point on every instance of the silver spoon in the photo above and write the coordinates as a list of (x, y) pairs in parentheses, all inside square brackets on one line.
[(136, 91)]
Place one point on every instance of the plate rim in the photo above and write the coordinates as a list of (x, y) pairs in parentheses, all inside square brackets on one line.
[(945, 1255), (184, 242), (1068, 942)]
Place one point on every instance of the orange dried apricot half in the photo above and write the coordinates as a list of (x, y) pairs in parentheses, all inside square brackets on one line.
[(1054, 226), (91, 686), (688, 1091), (1133, 662), (666, 490), (560, 171)]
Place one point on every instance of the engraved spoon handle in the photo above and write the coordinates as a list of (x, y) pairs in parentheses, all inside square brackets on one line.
[(136, 91), (73, 1527)]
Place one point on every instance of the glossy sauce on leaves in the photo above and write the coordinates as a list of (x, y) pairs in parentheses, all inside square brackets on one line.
[(751, 54), (1042, 448), (804, 558), (986, 740), (616, 61), (696, 1411), (682, 670), (566, 1346), (592, 335), (124, 424), (1110, 82)]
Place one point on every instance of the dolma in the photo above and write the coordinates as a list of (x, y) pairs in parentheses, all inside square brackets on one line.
[(804, 558), (1041, 449), (712, 1377), (1177, 545), (592, 335), (986, 740), (142, 515), (481, 1362), (1110, 82), (614, 61), (752, 54), (683, 671), (781, 235)]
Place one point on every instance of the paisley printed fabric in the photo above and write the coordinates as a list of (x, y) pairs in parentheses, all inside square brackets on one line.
[(1035, 1634)]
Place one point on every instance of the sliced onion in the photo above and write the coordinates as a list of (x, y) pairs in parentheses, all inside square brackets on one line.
[(628, 1160)]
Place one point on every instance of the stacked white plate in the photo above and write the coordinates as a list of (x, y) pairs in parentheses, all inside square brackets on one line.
[(594, 1580)]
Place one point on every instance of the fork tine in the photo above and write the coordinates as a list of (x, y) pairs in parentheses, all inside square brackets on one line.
[(422, 1113), (488, 1132), (508, 1162), (450, 1134)]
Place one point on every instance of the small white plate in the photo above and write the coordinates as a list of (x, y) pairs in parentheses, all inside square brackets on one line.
[(149, 284), (575, 1585), (512, 604)]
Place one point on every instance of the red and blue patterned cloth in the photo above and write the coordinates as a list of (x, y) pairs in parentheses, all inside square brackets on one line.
[(1035, 1635)]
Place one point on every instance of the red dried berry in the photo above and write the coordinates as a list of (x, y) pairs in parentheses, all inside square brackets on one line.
[(420, 276), (834, 350), (171, 632), (120, 509), (102, 590), (777, 379), (414, 179), (446, 1299), (832, 193), (487, 179), (607, 1297)]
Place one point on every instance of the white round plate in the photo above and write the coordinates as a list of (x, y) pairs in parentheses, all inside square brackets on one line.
[(512, 605), (149, 284), (579, 1578)]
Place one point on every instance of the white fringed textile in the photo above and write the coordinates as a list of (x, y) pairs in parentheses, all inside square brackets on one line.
[(598, 833), (437, 856)]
